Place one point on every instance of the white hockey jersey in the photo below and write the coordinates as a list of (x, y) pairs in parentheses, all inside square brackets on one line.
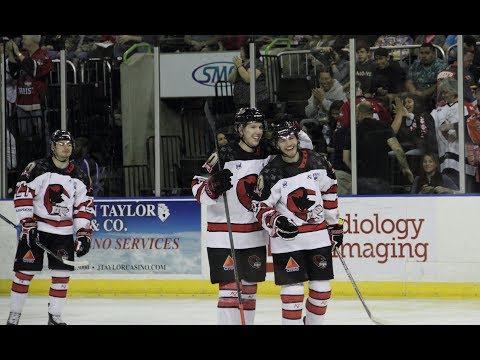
[(305, 192), (60, 200), (246, 230)]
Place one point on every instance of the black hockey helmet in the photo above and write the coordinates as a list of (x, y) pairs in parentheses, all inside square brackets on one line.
[(283, 129), (59, 135), (248, 115)]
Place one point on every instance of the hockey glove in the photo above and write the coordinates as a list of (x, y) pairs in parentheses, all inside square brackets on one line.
[(285, 228), (29, 231), (336, 233), (218, 183), (82, 242)]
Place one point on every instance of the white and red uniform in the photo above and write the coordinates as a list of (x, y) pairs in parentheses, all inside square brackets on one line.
[(306, 193), (60, 200)]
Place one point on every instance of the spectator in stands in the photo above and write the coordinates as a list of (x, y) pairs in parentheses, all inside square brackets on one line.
[(387, 77), (468, 78), (413, 126), (422, 74), (374, 140), (329, 90), (340, 65), (31, 70), (88, 165), (240, 78), (221, 138), (430, 180), (364, 66), (446, 127)]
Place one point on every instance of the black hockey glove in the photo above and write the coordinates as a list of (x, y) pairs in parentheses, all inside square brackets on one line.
[(336, 233), (218, 183), (285, 228), (82, 242), (29, 231)]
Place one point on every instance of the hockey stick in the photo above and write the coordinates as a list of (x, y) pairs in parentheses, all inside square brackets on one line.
[(374, 319), (211, 121), (41, 246)]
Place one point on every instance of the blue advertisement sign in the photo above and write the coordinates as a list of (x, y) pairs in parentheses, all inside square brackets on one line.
[(145, 236)]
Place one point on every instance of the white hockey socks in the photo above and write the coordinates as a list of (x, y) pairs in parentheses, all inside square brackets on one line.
[(228, 312), (58, 291), (18, 294), (292, 297), (318, 296)]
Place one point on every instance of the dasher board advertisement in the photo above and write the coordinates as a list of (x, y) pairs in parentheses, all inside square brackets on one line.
[(145, 236)]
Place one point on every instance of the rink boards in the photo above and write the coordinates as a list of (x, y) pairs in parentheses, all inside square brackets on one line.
[(415, 246)]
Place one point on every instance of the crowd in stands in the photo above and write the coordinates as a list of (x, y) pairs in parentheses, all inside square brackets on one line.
[(406, 101)]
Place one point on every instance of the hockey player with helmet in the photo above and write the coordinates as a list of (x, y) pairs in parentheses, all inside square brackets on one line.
[(241, 162), (53, 202), (300, 185)]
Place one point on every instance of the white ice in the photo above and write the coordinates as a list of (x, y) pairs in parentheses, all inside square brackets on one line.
[(202, 311)]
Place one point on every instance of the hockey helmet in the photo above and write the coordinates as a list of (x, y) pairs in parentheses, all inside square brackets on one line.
[(59, 135), (249, 115), (283, 129)]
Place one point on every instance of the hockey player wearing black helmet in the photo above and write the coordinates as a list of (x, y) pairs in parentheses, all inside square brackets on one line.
[(54, 203), (240, 162), (300, 185)]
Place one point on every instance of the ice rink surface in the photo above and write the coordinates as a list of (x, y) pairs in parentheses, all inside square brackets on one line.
[(202, 311)]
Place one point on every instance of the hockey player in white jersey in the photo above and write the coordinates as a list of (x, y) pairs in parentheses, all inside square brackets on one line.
[(241, 162), (301, 185), (53, 201)]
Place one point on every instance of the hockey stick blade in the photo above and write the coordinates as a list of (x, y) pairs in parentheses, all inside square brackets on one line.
[(59, 258), (374, 319)]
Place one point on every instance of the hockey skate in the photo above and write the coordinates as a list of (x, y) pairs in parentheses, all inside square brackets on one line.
[(55, 320), (13, 318)]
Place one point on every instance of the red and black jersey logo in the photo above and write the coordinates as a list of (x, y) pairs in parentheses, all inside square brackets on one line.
[(53, 197), (246, 190), (299, 203)]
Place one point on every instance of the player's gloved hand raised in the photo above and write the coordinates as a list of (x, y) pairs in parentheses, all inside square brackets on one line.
[(285, 228), (29, 231), (82, 241), (336, 233), (218, 183)]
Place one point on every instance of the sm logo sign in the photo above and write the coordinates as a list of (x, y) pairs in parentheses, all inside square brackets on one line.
[(209, 74)]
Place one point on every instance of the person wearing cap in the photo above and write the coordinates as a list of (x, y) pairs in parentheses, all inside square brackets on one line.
[(300, 186), (54, 206), (388, 77), (229, 177)]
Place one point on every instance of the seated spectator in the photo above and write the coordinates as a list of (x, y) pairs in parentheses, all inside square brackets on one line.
[(468, 79), (387, 77), (328, 90), (221, 138), (364, 66), (413, 126), (430, 180)]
